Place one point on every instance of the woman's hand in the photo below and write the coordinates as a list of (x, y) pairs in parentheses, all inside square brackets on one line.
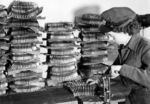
[(114, 72)]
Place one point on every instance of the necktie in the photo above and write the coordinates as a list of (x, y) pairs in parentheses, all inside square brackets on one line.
[(122, 50)]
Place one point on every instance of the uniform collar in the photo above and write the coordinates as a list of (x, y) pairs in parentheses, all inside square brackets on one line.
[(134, 41)]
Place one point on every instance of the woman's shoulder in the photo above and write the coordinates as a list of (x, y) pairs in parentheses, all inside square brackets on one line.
[(144, 45), (145, 41)]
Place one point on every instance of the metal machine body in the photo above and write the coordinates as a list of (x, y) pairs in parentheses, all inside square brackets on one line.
[(105, 91)]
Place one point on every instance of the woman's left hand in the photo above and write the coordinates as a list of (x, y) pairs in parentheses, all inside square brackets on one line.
[(114, 72)]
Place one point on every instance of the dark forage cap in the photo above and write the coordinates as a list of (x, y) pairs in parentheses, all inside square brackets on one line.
[(116, 17)]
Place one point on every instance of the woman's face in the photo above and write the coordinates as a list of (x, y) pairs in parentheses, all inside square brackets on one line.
[(119, 38)]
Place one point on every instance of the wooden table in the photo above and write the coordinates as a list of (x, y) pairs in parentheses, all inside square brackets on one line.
[(59, 95)]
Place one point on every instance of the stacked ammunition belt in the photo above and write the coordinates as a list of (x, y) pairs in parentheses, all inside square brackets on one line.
[(25, 70), (94, 46), (63, 52), (4, 47), (24, 10), (80, 88)]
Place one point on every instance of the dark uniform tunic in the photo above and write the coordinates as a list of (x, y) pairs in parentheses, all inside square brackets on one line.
[(135, 71)]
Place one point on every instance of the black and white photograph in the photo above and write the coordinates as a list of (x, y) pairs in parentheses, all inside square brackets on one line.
[(74, 52)]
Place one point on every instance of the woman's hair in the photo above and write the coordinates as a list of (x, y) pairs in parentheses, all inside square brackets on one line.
[(132, 28)]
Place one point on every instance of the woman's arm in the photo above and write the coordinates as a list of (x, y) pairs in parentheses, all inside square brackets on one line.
[(140, 76)]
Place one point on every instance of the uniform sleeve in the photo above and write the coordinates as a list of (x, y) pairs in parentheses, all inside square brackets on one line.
[(140, 76)]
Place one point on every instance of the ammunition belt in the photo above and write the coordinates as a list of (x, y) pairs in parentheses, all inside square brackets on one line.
[(26, 82), (27, 65), (60, 36), (62, 60), (93, 34), (95, 52), (91, 16), (91, 29), (24, 44), (21, 31), (61, 44), (59, 24), (95, 67), (66, 51), (27, 15), (95, 58), (23, 49), (68, 67), (30, 39), (25, 74), (21, 10), (23, 5), (22, 74), (59, 29), (23, 23), (62, 73), (60, 33), (95, 38), (72, 83), (81, 89), (30, 82), (61, 78), (25, 56), (96, 44), (109, 47), (91, 22), (26, 35), (20, 89)]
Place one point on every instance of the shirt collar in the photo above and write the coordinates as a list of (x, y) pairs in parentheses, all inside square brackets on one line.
[(134, 41)]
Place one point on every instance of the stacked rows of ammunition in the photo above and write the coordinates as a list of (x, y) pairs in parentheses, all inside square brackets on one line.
[(94, 54), (94, 46), (4, 47), (25, 70), (70, 54), (63, 52)]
